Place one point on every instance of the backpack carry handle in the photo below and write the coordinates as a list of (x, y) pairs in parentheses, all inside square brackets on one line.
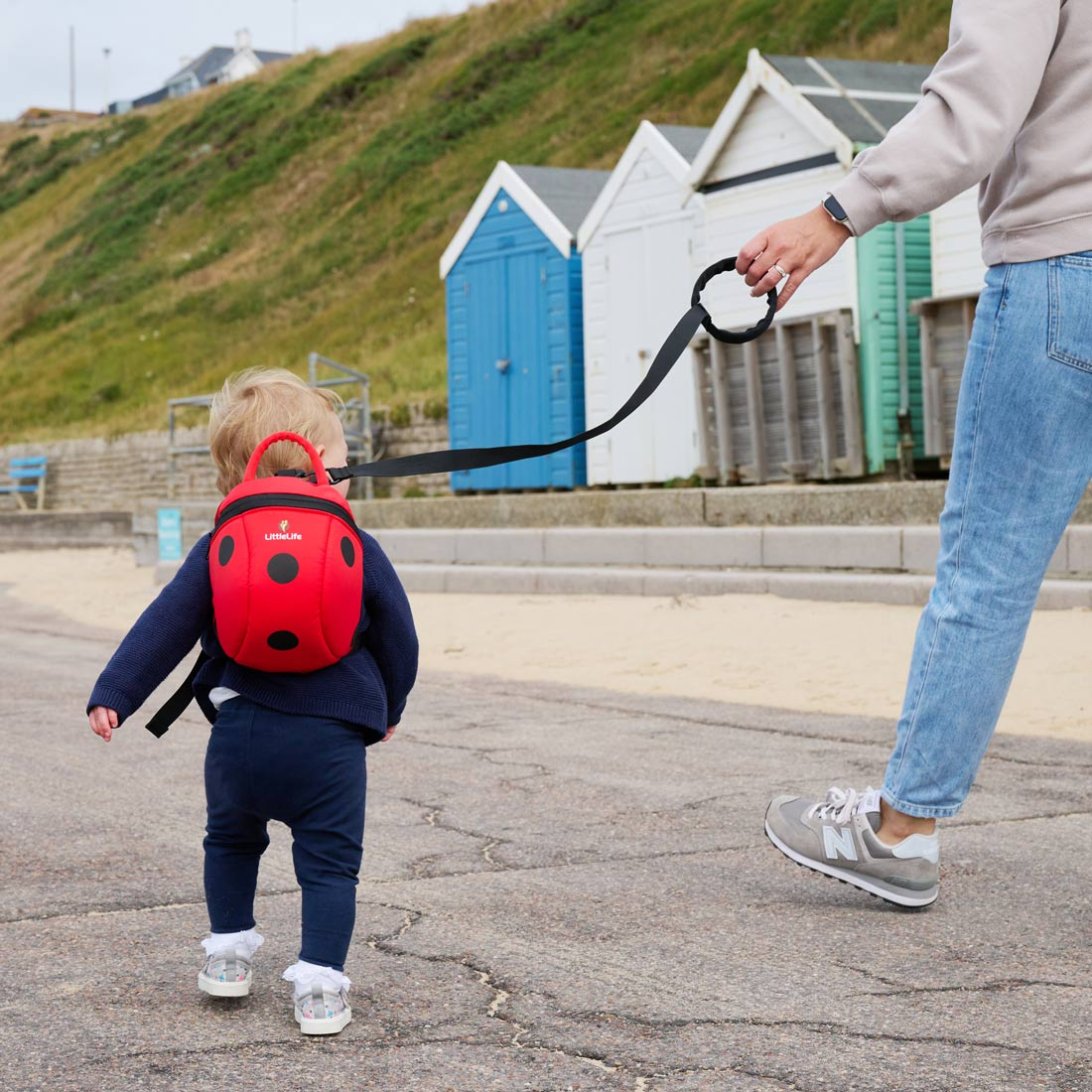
[(726, 265), (282, 437)]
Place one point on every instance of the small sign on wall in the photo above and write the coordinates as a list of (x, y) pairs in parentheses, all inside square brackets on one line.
[(169, 533)]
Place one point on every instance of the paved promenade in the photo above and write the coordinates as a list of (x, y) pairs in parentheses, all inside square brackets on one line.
[(565, 890)]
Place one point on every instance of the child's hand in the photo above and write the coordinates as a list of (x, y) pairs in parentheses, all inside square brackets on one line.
[(390, 732), (103, 721)]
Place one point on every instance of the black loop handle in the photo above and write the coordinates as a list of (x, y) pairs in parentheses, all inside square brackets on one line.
[(726, 265)]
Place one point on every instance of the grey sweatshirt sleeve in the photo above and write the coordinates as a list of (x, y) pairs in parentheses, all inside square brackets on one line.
[(974, 103)]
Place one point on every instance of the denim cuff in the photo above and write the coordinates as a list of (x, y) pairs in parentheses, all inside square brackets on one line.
[(918, 811)]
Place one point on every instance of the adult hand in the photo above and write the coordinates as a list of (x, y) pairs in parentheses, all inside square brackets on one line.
[(390, 732), (103, 721), (799, 246)]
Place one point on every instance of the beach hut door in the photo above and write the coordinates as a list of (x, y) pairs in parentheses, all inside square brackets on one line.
[(648, 264), (506, 369)]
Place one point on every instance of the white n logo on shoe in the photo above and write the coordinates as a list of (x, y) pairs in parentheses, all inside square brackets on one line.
[(839, 843)]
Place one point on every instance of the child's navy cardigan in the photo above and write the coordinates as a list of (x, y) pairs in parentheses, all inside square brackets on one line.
[(368, 688)]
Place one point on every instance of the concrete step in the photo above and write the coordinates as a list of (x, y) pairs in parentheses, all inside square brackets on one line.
[(898, 588), (837, 549)]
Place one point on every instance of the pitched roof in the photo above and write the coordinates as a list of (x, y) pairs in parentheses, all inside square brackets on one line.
[(206, 65), (568, 193), (862, 98), (213, 60), (685, 139), (555, 198)]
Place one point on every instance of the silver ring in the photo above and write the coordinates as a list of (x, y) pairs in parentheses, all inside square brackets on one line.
[(779, 269)]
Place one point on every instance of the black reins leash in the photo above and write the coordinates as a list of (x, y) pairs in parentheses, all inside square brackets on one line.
[(476, 458)]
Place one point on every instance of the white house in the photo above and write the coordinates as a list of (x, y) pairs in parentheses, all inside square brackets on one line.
[(636, 244), (219, 64)]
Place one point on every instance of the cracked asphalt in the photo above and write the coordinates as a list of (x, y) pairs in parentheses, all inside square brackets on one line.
[(563, 890)]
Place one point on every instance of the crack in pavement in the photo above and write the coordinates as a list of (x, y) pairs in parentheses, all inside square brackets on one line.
[(433, 817), (791, 733), (502, 994), (135, 908), (456, 873), (1001, 985), (818, 1026)]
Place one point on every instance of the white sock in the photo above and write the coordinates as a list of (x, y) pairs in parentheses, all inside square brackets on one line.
[(306, 975), (248, 939)]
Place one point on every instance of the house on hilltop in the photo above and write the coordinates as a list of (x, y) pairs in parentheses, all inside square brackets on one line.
[(219, 64)]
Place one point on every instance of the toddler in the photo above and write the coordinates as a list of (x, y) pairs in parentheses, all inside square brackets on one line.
[(283, 746)]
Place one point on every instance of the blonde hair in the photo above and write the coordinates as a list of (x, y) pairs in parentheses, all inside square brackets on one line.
[(257, 402)]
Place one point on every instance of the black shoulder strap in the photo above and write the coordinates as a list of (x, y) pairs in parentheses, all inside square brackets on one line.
[(475, 458), (176, 704)]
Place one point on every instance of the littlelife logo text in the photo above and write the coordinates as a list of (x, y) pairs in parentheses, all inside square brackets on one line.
[(284, 535)]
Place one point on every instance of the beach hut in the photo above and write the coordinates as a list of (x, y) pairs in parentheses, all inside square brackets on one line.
[(946, 317), (514, 324), (636, 248), (787, 135)]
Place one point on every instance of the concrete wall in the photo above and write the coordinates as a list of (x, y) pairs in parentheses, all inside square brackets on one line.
[(109, 474)]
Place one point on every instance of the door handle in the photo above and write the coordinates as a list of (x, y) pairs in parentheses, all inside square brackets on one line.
[(503, 366)]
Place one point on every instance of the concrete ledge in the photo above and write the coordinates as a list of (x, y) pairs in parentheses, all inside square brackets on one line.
[(895, 588), (883, 549), (49, 530), (832, 547)]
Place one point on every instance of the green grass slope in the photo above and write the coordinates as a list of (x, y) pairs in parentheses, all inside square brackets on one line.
[(147, 257)]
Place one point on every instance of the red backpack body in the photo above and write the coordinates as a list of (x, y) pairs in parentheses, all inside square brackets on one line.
[(287, 569)]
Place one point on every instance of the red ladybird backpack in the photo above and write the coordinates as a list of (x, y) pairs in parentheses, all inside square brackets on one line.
[(287, 572)]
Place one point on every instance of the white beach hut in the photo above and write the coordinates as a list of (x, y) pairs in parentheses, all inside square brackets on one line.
[(636, 246)]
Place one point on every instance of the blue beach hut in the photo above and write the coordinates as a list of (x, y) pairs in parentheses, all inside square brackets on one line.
[(515, 333)]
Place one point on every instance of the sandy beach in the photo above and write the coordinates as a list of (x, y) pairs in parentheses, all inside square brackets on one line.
[(758, 650)]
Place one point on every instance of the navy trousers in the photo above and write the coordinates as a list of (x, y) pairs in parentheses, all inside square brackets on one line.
[(308, 773)]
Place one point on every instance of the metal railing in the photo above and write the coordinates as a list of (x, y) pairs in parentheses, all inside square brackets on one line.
[(356, 414), (356, 417)]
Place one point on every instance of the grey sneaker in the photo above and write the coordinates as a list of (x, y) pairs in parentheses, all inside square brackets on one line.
[(323, 1011), (226, 973), (836, 836)]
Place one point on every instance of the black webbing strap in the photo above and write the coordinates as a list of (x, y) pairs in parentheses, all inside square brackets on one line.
[(176, 704), (476, 458)]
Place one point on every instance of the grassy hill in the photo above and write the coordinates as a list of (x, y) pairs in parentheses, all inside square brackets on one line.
[(146, 257)]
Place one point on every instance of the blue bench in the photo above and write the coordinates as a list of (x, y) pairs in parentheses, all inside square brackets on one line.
[(28, 476)]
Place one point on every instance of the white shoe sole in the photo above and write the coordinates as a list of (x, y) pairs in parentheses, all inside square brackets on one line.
[(215, 988), (853, 878), (329, 1025)]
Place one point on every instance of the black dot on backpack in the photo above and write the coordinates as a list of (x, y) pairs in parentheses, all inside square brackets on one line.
[(227, 548), (283, 640), (348, 551), (283, 568)]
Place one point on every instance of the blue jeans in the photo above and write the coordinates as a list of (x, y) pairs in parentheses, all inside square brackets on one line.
[(1022, 460), (306, 772)]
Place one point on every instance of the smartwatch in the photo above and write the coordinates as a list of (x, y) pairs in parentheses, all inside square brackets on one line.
[(836, 212)]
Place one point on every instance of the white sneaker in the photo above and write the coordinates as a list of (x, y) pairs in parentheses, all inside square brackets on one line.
[(321, 998), (228, 956)]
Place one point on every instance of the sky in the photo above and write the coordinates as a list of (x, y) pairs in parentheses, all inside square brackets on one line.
[(147, 40)]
